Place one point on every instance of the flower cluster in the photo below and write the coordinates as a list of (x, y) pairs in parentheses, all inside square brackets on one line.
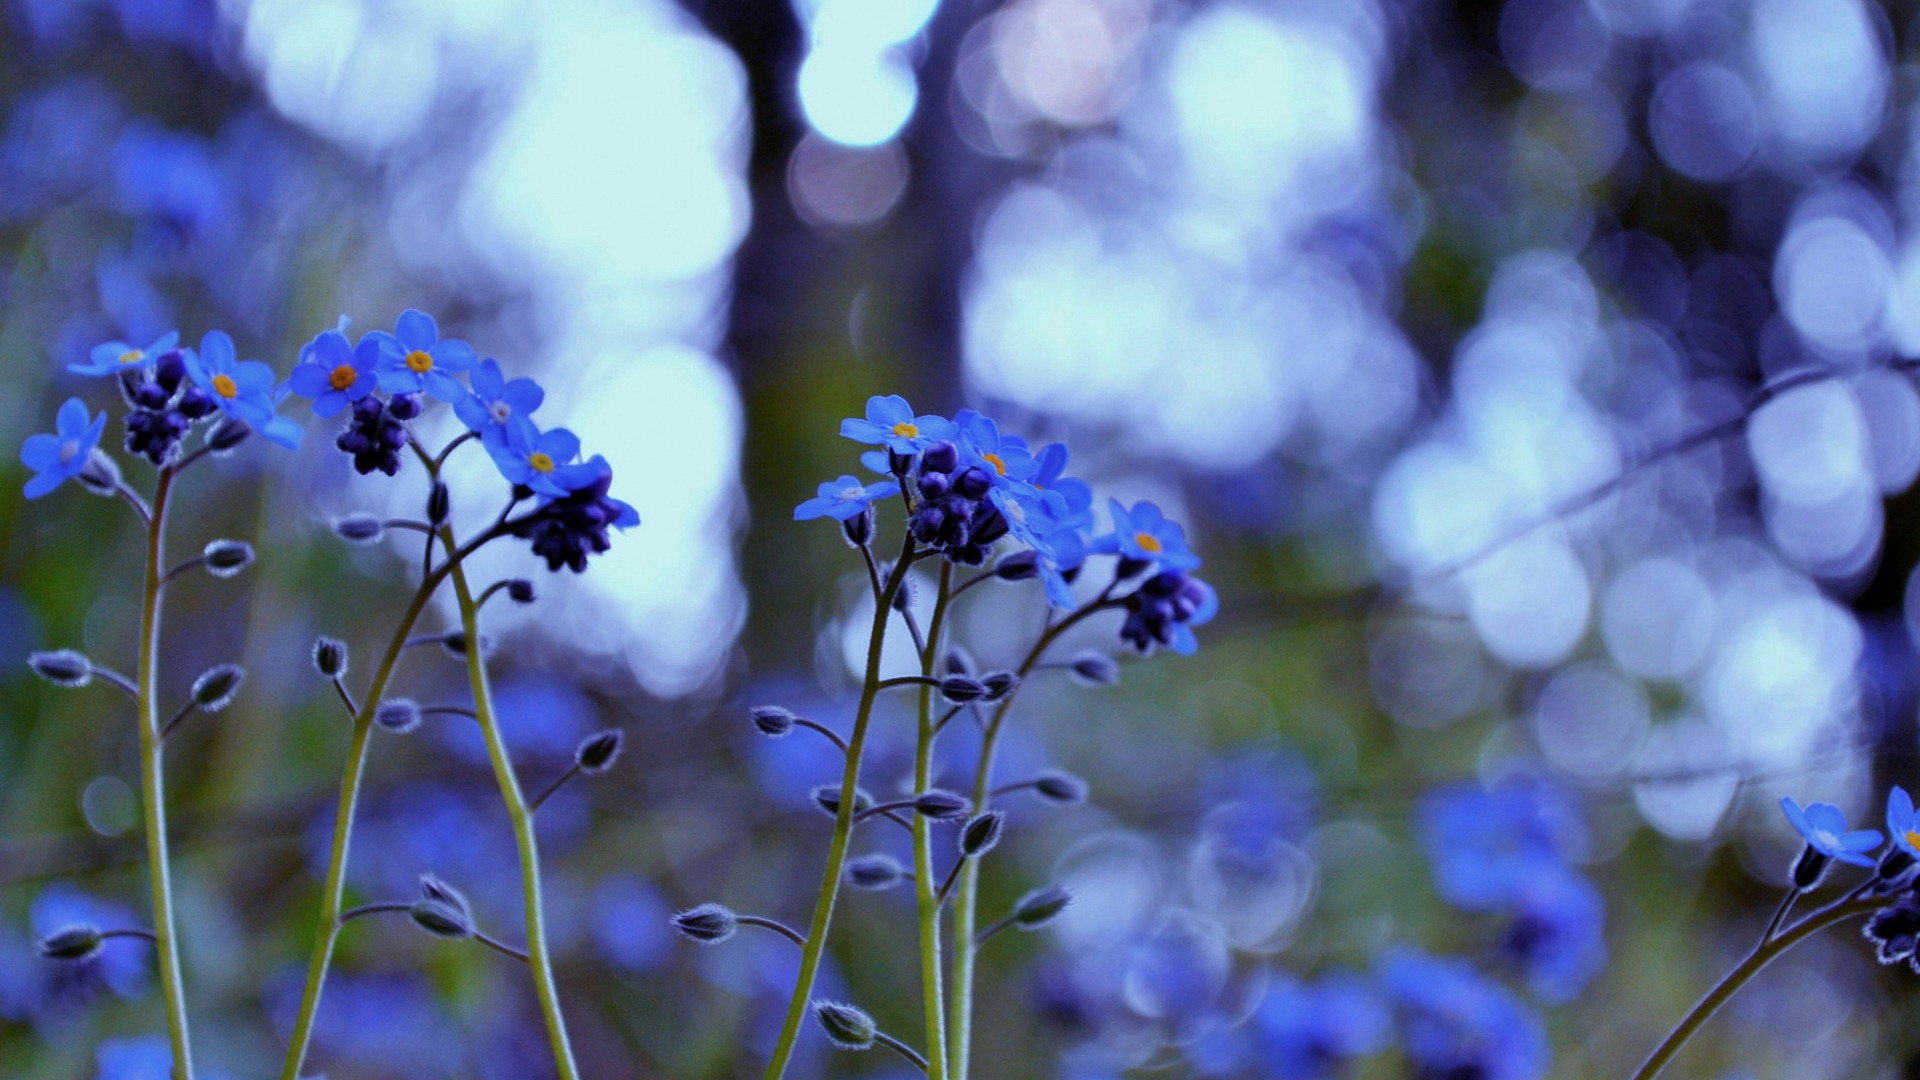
[(965, 486), (1502, 852)]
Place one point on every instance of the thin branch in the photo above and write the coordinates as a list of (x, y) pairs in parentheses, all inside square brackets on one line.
[(409, 524), (371, 909), (832, 735), (147, 936), (1005, 921), (181, 568), (950, 714), (134, 500), (448, 710), (902, 1049), (774, 925), (553, 787), (179, 718), (346, 698), (953, 875), (115, 679), (501, 947)]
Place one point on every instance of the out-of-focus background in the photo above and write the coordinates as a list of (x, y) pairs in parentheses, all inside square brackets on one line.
[(1361, 290)]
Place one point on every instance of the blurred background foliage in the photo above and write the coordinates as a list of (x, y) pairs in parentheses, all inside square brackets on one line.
[(1415, 312)]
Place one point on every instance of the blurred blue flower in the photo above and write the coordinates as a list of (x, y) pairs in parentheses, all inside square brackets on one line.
[(415, 358), (169, 176), (1557, 934), (148, 1057), (496, 402), (120, 966), (57, 139), (1455, 1022), (376, 1021), (58, 458), (1144, 534), (891, 423), (116, 356), (1903, 824), (542, 460), (1312, 1031), (1485, 846), (630, 923), (335, 373), (843, 498), (1824, 827)]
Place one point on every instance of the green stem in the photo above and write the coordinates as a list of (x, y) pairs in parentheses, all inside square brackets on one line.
[(965, 915), (1762, 955), (153, 786), (842, 827), (539, 957), (927, 900)]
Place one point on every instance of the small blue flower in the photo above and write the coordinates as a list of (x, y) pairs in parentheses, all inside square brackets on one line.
[(1049, 463), (891, 423), (1312, 1031), (415, 358), (1145, 535), (496, 402), (1485, 846), (542, 461), (116, 356), (334, 373), (58, 458), (843, 498), (1824, 827), (981, 441), (1458, 1022), (1557, 933), (1903, 824), (242, 388)]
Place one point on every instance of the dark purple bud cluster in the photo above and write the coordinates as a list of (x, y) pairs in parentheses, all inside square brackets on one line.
[(163, 407), (953, 516), (1166, 600), (376, 432), (569, 530), (1895, 932)]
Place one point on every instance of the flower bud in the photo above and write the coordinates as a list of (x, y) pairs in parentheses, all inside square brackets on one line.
[(1894, 863), (225, 558), (439, 503), (440, 918), (773, 721), (62, 667), (432, 888), (405, 406), (1810, 868), (1020, 566), (329, 657), (215, 687), (858, 529), (902, 599), (1060, 788), (999, 684), (596, 753), (227, 435), (76, 942), (938, 805), (520, 591), (398, 715), (962, 689), (358, 528), (455, 643), (827, 797), (847, 1027), (1091, 668), (1130, 567), (982, 834), (874, 872), (708, 924), (1041, 906)]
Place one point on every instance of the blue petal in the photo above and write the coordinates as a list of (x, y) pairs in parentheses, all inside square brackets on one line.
[(216, 350), (71, 421), (888, 411), (310, 380), (416, 330), (43, 484), (523, 395), (40, 452), (455, 356), (399, 381), (560, 444)]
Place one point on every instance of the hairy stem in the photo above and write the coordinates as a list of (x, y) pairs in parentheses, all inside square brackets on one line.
[(1756, 961), (538, 957), (153, 786), (927, 901), (842, 827)]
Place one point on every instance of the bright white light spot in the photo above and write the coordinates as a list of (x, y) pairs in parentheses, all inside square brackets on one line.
[(1691, 781), (1783, 673), (1529, 601), (1825, 71), (1833, 280), (856, 96), (869, 25), (1590, 720), (1658, 618), (1810, 444), (364, 82)]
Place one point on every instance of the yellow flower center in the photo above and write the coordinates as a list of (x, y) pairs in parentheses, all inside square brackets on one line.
[(541, 463), (1148, 542), (343, 377), (906, 430), (999, 464), (225, 386), (132, 356), (419, 362), (1913, 838)]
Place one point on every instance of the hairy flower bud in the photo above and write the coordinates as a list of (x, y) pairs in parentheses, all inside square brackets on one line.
[(70, 943), (858, 529), (358, 528), (398, 715), (1060, 788), (101, 475), (329, 657), (773, 721), (439, 503), (520, 591), (827, 797), (874, 872), (1041, 906), (1091, 668), (215, 687), (432, 888), (229, 434), (225, 558), (597, 752), (847, 1027), (982, 834), (440, 918), (1809, 869), (938, 805), (1020, 566), (999, 684), (62, 667), (962, 689), (708, 924)]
